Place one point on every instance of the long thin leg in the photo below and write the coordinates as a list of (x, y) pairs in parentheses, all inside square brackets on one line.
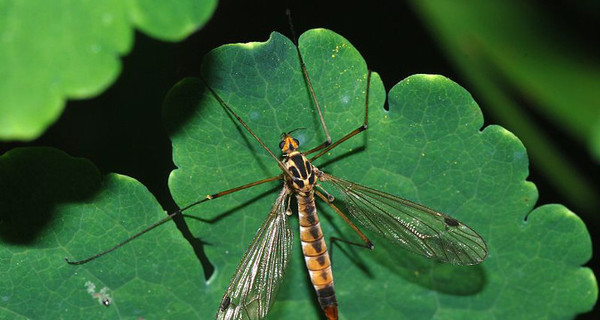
[(310, 86), (243, 123), (367, 243), (317, 148), (171, 216), (355, 131), (333, 239), (362, 245)]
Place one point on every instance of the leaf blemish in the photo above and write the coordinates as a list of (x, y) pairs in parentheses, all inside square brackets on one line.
[(102, 296), (345, 99)]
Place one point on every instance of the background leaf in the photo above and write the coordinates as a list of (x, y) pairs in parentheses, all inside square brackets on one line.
[(52, 51), (74, 212), (516, 55)]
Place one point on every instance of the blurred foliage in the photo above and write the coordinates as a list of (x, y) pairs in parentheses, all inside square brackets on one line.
[(515, 55), (51, 51)]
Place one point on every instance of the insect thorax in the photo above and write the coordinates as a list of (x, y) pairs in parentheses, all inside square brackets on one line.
[(304, 177)]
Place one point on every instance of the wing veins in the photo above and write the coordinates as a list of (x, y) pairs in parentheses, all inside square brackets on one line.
[(256, 281), (400, 223), (413, 226)]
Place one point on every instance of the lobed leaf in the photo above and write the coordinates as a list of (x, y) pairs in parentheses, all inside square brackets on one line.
[(428, 148)]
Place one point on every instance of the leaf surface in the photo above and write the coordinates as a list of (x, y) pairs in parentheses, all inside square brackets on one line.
[(55, 207)]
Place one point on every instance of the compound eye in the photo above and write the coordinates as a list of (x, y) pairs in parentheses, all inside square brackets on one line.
[(297, 142), (281, 144)]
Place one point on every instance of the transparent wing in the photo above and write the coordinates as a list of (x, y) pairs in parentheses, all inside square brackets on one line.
[(255, 284), (410, 225)]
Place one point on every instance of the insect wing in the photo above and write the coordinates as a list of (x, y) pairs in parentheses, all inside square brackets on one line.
[(255, 284), (410, 225)]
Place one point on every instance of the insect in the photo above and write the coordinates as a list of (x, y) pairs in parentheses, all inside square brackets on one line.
[(414, 227)]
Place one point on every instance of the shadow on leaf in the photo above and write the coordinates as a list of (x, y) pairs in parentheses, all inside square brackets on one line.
[(33, 183), (428, 273)]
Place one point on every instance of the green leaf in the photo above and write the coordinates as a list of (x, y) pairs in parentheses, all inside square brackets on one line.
[(54, 206), (428, 148), (52, 51)]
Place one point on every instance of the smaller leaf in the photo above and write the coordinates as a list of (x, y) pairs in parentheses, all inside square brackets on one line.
[(54, 207)]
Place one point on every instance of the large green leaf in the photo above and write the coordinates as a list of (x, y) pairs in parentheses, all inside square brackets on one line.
[(428, 148), (52, 51)]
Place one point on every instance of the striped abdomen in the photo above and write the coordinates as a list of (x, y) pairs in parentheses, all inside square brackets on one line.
[(315, 254)]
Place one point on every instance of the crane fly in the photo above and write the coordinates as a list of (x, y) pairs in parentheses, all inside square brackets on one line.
[(406, 224)]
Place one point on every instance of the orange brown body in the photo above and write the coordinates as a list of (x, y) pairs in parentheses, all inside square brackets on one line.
[(314, 248)]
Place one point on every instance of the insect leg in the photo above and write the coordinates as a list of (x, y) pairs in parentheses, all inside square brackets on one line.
[(367, 243), (310, 87), (171, 216), (333, 239), (243, 123), (330, 198), (354, 132)]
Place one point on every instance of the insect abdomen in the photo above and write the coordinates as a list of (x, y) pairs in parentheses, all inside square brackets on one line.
[(316, 255)]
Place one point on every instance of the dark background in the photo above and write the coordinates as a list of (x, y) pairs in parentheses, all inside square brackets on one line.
[(121, 130)]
